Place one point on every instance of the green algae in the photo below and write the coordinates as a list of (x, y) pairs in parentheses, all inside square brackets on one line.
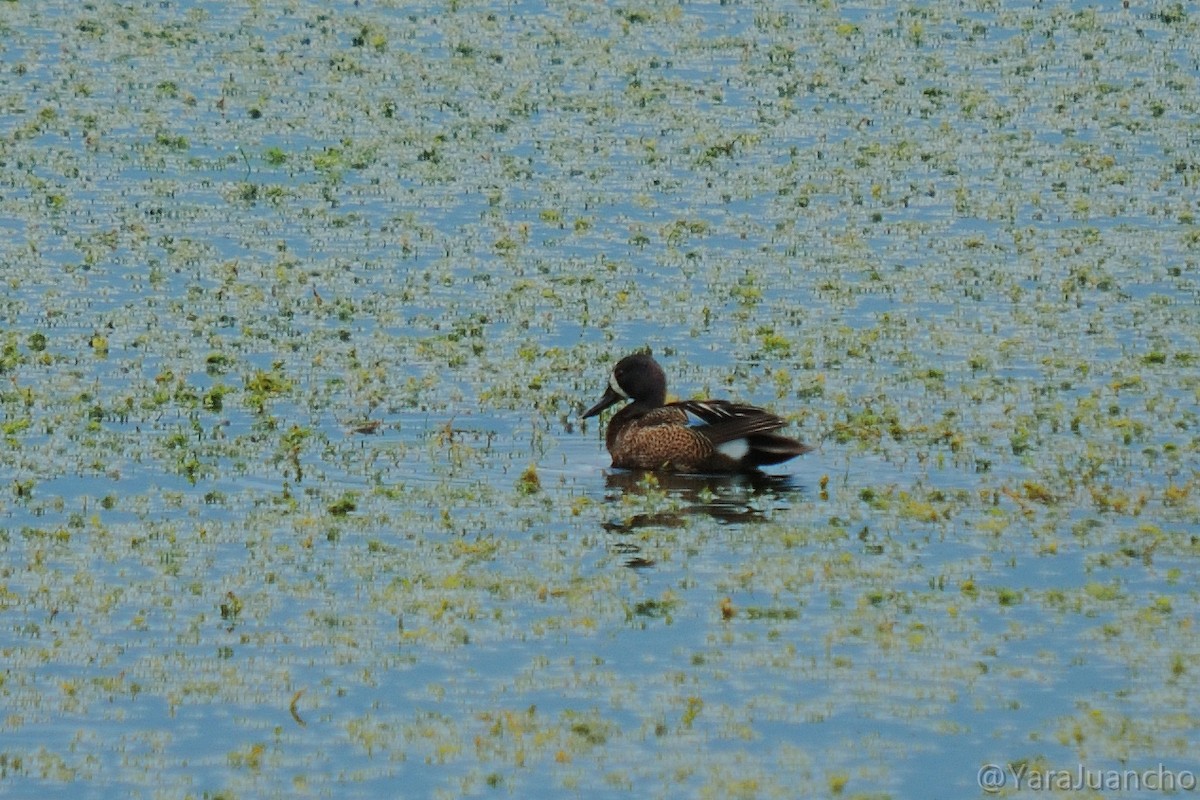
[(953, 244)]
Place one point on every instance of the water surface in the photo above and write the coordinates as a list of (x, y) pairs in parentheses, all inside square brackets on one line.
[(302, 306)]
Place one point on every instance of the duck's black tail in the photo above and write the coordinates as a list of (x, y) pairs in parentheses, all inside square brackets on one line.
[(771, 448)]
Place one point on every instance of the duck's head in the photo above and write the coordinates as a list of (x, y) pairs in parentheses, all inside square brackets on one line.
[(636, 377)]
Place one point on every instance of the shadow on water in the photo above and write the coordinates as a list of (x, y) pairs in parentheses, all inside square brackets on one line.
[(730, 499)]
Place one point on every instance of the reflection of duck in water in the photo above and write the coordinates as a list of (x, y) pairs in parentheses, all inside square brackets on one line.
[(728, 498), (733, 499), (694, 436)]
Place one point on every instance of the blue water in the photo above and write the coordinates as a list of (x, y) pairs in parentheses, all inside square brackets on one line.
[(954, 245)]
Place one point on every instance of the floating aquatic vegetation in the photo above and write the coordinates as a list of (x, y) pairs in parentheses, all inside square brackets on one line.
[(300, 309)]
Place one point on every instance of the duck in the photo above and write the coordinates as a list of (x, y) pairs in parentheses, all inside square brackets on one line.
[(690, 436)]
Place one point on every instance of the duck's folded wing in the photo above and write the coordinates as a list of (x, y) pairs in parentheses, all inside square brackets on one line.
[(720, 421)]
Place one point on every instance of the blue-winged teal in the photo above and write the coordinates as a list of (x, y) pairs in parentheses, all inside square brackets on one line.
[(703, 436)]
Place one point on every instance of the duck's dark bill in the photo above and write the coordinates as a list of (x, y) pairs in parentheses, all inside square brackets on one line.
[(607, 400)]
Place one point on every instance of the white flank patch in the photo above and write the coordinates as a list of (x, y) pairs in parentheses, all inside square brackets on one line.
[(735, 449), (616, 387)]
